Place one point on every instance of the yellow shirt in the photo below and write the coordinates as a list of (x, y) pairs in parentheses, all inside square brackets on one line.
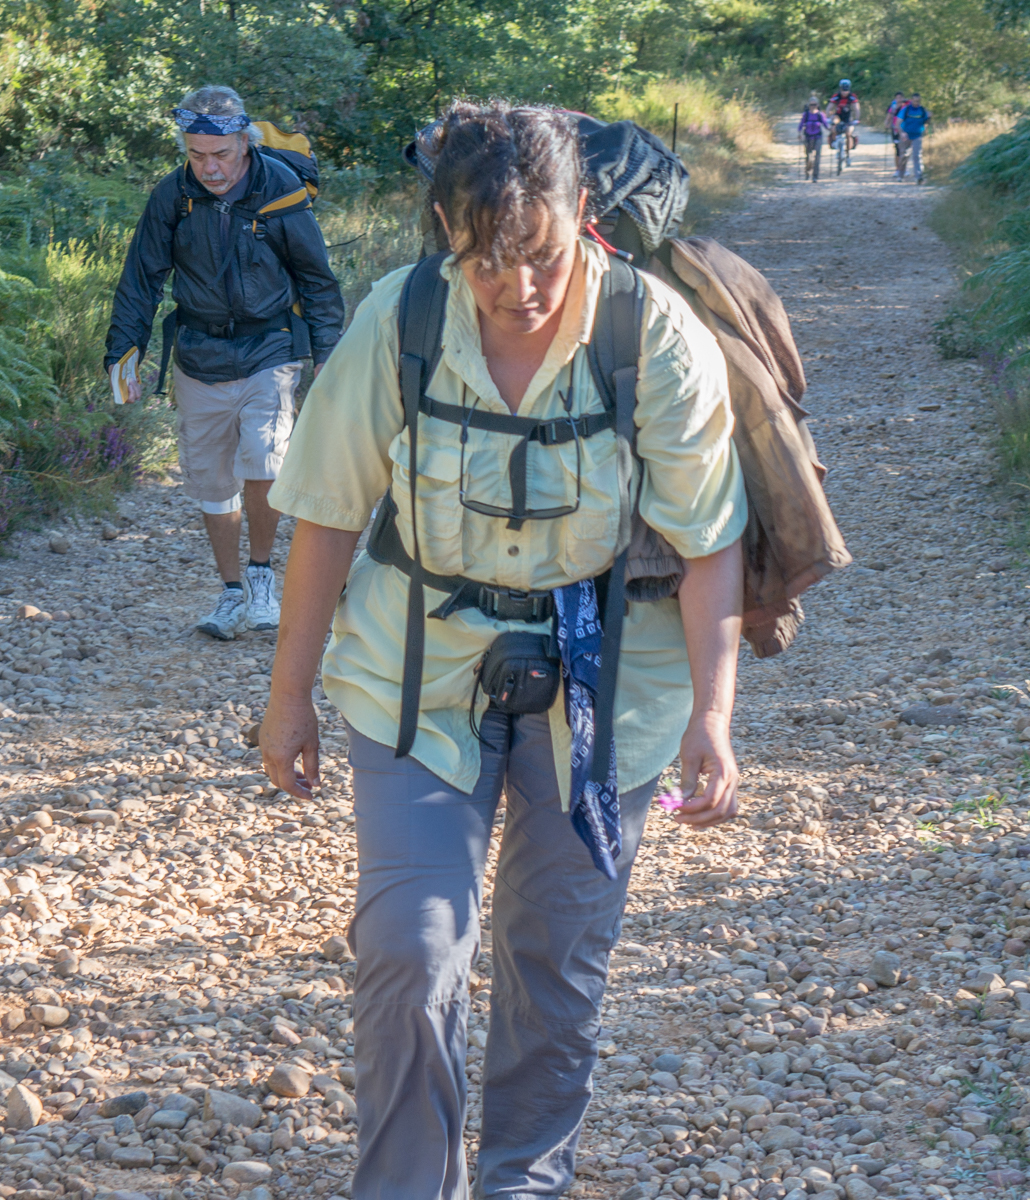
[(349, 446)]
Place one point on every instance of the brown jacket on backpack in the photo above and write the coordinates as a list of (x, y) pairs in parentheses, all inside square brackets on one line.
[(791, 540)]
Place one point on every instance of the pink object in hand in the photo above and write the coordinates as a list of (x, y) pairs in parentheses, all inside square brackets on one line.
[(671, 800)]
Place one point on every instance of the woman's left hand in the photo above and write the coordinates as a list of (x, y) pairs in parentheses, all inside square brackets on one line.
[(706, 752)]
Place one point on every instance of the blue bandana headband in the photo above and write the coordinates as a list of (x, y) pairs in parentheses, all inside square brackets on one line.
[(193, 122)]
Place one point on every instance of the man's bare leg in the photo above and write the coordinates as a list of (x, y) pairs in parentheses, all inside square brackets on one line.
[(223, 531), (262, 520)]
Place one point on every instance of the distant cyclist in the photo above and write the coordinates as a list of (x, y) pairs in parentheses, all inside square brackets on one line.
[(892, 124), (913, 120), (846, 112), (810, 128)]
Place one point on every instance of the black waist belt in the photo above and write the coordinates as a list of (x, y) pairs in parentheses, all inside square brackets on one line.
[(283, 322), (235, 329), (500, 604)]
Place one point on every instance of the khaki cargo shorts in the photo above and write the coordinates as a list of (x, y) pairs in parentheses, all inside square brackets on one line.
[(231, 432)]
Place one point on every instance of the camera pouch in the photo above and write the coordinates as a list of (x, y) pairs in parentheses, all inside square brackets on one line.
[(520, 673)]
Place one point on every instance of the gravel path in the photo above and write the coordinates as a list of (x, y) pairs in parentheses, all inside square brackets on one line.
[(829, 997)]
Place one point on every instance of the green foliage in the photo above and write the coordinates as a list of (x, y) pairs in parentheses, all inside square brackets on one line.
[(1005, 283), (100, 79), (97, 80), (1002, 167), (982, 810), (985, 217), (954, 53), (27, 387), (60, 442), (955, 56)]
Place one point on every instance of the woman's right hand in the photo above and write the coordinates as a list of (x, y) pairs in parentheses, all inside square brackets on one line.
[(315, 574), (290, 728)]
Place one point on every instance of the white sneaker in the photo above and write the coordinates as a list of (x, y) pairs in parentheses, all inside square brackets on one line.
[(262, 606), (228, 617)]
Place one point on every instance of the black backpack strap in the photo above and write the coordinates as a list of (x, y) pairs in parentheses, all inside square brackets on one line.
[(169, 328), (613, 352), (169, 322), (420, 317), (420, 320)]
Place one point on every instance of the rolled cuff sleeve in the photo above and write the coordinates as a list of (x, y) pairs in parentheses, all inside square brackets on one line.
[(338, 464), (692, 489)]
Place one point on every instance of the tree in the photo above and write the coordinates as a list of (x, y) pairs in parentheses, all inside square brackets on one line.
[(83, 75)]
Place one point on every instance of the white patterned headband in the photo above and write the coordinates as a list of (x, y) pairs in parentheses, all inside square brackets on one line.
[(192, 122)]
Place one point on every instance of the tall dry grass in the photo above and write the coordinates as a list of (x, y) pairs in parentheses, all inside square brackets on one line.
[(968, 216), (952, 143), (370, 234)]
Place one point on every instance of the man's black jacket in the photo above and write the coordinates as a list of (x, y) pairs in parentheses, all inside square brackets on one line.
[(260, 287)]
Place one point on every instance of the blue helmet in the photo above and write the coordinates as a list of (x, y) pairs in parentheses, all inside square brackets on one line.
[(845, 84)]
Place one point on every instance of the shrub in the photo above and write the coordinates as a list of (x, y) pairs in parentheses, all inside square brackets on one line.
[(27, 388), (986, 218), (61, 443)]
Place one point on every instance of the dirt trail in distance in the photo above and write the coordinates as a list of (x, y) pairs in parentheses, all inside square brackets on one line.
[(829, 996)]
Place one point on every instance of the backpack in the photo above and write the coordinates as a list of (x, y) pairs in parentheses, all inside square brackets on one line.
[(640, 192), (636, 173), (293, 149), (612, 358)]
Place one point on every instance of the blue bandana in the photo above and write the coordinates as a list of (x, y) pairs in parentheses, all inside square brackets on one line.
[(594, 809), (193, 122)]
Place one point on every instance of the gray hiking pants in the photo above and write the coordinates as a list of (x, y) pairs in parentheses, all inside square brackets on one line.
[(813, 154), (422, 849), (913, 146)]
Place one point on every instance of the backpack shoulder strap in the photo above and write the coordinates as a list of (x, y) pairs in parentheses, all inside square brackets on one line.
[(615, 341), (613, 352), (420, 318)]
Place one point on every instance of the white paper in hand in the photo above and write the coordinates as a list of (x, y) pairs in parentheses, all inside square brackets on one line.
[(126, 370)]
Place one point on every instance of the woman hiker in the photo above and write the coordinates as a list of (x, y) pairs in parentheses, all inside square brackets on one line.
[(811, 127), (522, 286)]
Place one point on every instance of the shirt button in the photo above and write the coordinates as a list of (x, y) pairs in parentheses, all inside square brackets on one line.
[(513, 550)]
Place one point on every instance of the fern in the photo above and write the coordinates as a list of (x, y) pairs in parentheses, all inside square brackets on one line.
[(27, 388), (1006, 282)]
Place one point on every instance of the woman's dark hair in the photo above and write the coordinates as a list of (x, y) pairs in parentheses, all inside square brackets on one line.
[(494, 163)]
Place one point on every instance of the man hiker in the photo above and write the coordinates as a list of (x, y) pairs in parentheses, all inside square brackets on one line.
[(913, 120), (254, 294), (811, 126)]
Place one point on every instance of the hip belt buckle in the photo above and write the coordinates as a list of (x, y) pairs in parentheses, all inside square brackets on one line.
[(509, 604)]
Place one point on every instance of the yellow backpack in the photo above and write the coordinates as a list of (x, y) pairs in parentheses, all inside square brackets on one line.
[(293, 149)]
